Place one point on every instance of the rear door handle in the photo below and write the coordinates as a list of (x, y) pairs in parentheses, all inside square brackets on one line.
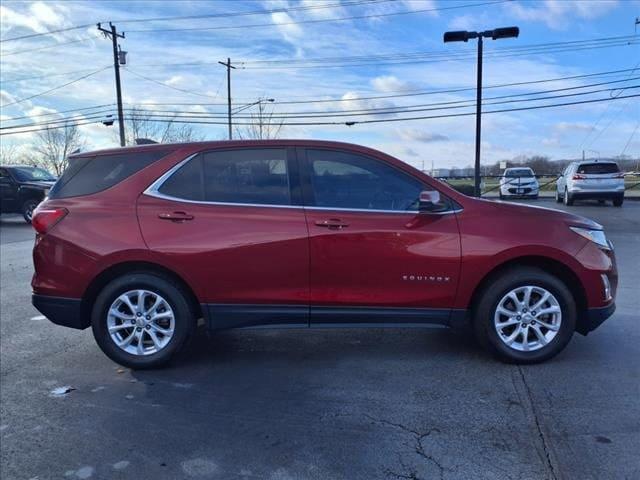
[(176, 216), (332, 223)]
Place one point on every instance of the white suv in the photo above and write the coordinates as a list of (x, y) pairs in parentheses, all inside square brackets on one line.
[(519, 182), (591, 180)]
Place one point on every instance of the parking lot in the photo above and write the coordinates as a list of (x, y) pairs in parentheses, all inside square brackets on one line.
[(320, 404)]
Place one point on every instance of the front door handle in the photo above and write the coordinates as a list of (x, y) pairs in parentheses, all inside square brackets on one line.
[(332, 223), (176, 216)]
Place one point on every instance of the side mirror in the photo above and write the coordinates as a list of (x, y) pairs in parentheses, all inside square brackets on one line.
[(429, 201)]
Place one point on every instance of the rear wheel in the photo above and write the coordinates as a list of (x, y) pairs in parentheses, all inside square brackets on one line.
[(525, 316), (141, 320), (617, 202), (568, 199), (27, 209)]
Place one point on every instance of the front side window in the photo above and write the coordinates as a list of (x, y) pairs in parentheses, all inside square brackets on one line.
[(351, 181), (32, 174), (251, 176)]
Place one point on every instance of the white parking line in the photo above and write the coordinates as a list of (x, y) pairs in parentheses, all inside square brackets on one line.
[(39, 317)]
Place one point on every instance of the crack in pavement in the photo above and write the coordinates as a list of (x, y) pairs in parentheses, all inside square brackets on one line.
[(543, 440), (419, 448)]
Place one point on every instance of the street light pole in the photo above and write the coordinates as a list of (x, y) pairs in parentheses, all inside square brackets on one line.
[(464, 36)]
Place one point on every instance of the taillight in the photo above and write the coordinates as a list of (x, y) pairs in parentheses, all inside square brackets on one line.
[(577, 176), (45, 218)]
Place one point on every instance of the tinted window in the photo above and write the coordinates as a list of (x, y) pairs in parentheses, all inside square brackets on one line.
[(598, 168), (186, 183), (256, 176), (346, 180), (32, 174), (88, 175)]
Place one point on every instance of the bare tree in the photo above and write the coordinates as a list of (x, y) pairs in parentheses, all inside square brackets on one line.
[(54, 145), (261, 126), (8, 154), (141, 124)]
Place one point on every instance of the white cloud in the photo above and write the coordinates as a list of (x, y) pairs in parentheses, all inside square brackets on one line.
[(390, 83), (41, 17), (421, 135), (560, 14), (175, 80), (290, 31)]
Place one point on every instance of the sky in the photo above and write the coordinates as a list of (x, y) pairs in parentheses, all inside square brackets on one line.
[(167, 64)]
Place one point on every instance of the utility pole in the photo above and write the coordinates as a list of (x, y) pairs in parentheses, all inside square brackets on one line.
[(229, 67), (114, 35)]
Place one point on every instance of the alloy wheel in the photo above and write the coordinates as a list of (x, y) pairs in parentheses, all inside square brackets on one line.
[(527, 318), (140, 322)]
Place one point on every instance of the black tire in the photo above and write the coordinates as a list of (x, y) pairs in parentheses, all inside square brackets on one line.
[(27, 209), (558, 197), (501, 196), (601, 202), (535, 197), (178, 299), (568, 199), (484, 311), (617, 202)]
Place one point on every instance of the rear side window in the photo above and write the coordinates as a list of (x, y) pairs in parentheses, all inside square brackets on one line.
[(598, 168), (251, 176), (88, 175)]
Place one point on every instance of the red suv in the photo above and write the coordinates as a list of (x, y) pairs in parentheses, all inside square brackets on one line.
[(139, 243)]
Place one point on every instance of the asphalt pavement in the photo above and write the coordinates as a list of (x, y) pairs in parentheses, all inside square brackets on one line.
[(320, 404)]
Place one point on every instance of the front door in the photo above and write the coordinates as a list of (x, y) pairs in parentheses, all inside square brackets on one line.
[(231, 222), (374, 258)]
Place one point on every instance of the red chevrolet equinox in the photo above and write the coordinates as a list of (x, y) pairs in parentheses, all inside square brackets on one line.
[(140, 243)]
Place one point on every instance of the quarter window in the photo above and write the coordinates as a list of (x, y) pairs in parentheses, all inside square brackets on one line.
[(347, 180), (252, 176)]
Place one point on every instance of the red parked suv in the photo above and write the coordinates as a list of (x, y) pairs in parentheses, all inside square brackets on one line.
[(139, 243)]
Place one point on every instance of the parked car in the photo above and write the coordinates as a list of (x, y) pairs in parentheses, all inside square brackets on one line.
[(141, 242), (591, 180), (518, 182), (22, 188)]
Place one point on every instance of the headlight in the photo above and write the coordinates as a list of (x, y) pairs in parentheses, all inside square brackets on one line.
[(596, 236)]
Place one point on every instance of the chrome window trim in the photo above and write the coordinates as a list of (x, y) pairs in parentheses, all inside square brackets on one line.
[(153, 191)]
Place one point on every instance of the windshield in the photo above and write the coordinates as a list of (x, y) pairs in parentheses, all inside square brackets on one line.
[(519, 172), (30, 174)]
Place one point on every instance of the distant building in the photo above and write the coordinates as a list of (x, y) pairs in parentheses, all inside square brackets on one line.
[(440, 172)]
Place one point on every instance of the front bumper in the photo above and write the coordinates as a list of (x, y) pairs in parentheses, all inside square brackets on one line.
[(61, 311), (594, 318)]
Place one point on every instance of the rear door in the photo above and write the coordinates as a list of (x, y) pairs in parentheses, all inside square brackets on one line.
[(372, 255), (231, 221), (8, 192)]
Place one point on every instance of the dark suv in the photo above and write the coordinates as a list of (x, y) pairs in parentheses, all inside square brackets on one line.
[(22, 188), (139, 243)]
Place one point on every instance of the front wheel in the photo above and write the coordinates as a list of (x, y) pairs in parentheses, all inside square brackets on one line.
[(27, 209), (558, 197), (617, 202), (525, 316), (141, 320)]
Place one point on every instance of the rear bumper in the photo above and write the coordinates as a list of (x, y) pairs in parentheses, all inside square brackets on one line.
[(61, 311), (594, 318), (597, 195)]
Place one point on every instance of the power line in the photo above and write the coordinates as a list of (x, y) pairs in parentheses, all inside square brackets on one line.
[(630, 138), (37, 129), (49, 75), (54, 122), (54, 88), (48, 32), (190, 92), (326, 123), (96, 107), (374, 111), (46, 47), (213, 15), (323, 20), (395, 109), (417, 93)]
